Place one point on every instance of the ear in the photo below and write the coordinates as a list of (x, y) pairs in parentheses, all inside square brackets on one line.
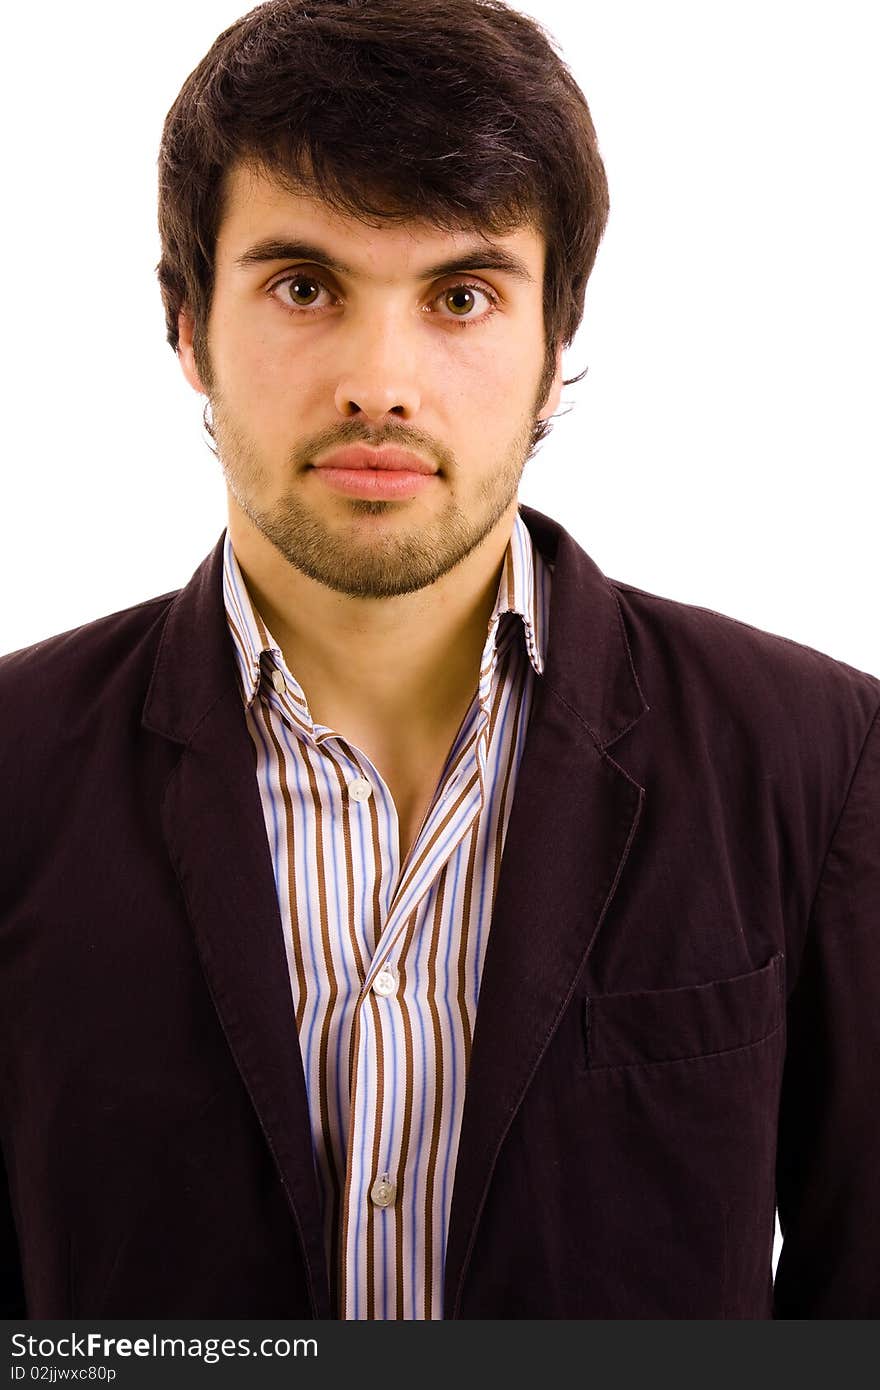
[(185, 324), (555, 391)]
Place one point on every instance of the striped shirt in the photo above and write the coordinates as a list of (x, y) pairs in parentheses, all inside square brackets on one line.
[(385, 958)]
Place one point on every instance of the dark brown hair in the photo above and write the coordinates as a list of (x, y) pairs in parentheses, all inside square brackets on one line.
[(458, 112)]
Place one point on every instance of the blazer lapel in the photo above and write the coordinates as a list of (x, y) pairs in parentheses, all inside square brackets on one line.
[(215, 834), (574, 816)]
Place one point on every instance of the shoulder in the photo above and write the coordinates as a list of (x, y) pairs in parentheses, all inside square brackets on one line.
[(748, 663), (75, 670), (747, 690)]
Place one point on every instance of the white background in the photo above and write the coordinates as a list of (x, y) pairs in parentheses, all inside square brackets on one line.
[(723, 448)]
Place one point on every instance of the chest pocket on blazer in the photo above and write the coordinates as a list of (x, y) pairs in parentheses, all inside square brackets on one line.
[(664, 1025)]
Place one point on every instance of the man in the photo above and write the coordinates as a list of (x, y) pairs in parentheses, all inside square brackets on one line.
[(404, 920)]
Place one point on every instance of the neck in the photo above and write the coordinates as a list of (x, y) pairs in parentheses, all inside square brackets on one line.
[(403, 667)]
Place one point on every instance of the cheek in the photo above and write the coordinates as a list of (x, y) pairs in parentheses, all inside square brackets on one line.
[(249, 358), (491, 376), (271, 385)]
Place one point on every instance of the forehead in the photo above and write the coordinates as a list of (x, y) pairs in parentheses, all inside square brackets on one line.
[(257, 208)]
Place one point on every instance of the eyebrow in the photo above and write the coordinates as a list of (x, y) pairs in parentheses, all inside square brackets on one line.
[(480, 257)]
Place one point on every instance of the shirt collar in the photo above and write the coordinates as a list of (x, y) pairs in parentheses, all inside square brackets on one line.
[(250, 636), (523, 589)]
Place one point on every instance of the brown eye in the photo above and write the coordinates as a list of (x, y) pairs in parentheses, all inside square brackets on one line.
[(303, 289), (462, 303), (460, 300), (300, 292)]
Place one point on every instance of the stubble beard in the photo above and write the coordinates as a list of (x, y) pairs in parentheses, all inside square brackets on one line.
[(343, 557)]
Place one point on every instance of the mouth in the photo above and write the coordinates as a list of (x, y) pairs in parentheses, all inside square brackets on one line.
[(391, 475), (385, 460)]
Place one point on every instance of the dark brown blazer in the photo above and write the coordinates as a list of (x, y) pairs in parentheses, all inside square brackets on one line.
[(679, 1019)]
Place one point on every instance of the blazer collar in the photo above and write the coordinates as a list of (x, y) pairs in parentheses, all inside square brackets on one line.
[(589, 665)]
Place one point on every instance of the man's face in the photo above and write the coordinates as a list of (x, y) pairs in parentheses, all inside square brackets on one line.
[(303, 359)]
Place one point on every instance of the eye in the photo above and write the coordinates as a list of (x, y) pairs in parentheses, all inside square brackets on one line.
[(460, 301), (302, 295), (302, 291)]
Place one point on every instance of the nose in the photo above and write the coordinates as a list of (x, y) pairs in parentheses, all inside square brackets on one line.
[(378, 374)]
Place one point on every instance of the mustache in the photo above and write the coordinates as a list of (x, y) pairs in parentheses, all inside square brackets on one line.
[(351, 432)]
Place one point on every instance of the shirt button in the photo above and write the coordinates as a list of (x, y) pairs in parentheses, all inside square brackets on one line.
[(278, 681), (385, 982), (359, 789), (383, 1191)]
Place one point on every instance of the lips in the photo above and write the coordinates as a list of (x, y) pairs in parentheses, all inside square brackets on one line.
[(388, 460)]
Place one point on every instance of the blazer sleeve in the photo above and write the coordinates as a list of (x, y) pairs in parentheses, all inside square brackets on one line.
[(828, 1155)]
